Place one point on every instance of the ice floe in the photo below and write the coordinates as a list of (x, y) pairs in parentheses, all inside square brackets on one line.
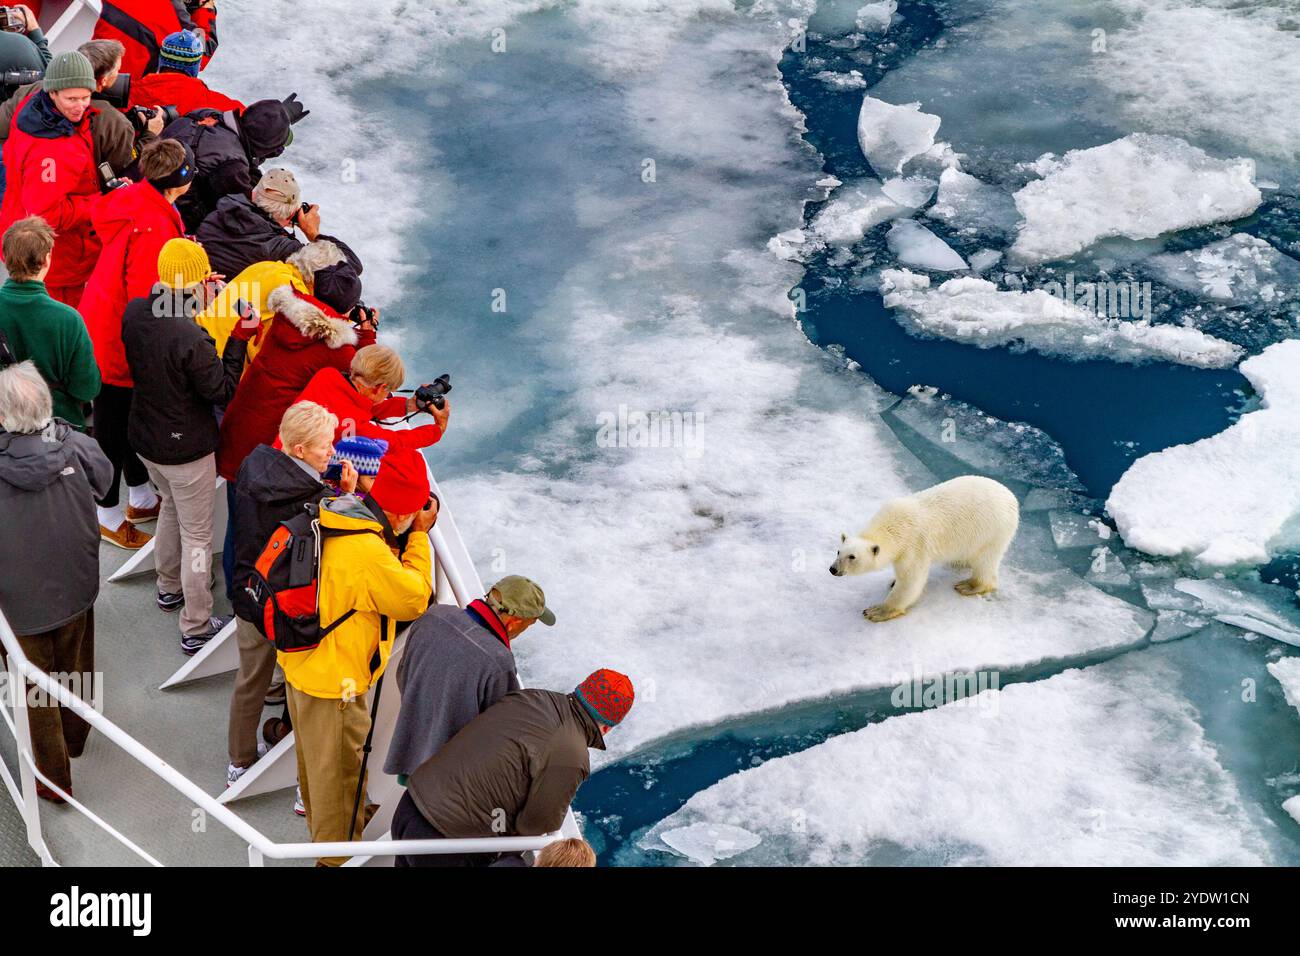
[(975, 311), (1138, 187), (973, 207), (860, 205), (1287, 672), (914, 245), (1102, 766), (1242, 270), (892, 135), (1232, 498), (1248, 605)]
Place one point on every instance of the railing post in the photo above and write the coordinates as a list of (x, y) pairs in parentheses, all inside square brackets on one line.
[(23, 740), (255, 857)]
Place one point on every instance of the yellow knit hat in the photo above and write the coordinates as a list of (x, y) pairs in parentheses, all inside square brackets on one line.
[(183, 263)]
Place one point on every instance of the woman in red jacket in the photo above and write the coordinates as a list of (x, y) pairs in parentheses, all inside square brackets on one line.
[(51, 132), (305, 335), (134, 222), (142, 25)]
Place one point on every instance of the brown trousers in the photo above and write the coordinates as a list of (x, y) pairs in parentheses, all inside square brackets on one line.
[(329, 735), (256, 668), (59, 734)]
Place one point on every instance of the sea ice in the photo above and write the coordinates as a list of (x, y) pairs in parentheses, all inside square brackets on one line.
[(891, 135), (972, 206), (1073, 530), (914, 245), (857, 207), (975, 311), (1102, 766), (1287, 672), (876, 17), (1139, 187), (1230, 498), (707, 843), (852, 80), (1242, 270), (1250, 606)]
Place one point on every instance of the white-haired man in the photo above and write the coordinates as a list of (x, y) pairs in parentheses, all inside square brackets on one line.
[(50, 475)]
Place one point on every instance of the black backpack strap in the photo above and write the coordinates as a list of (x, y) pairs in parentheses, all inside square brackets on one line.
[(343, 617)]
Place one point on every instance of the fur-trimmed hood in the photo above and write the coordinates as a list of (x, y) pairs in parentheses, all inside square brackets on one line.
[(311, 317)]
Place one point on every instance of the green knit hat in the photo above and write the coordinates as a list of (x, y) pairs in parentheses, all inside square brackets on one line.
[(69, 71)]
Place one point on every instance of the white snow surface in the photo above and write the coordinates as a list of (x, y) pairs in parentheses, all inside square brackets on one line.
[(1232, 498), (1102, 766), (1138, 187), (975, 311)]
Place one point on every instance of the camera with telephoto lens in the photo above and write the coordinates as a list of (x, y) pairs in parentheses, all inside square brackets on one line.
[(141, 115), (15, 78), (12, 20), (431, 395), (361, 312)]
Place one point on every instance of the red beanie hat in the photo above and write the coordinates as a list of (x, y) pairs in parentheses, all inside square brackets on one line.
[(402, 485), (607, 695)]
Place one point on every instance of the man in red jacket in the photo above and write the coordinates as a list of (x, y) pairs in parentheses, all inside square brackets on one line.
[(142, 25), (135, 222), (49, 160), (177, 81)]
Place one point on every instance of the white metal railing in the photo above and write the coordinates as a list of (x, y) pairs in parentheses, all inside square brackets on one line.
[(260, 847)]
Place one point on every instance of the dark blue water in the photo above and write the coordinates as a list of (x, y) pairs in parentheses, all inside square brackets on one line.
[(1104, 414)]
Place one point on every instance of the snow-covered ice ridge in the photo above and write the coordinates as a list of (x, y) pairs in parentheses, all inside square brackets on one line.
[(1102, 766), (1232, 498), (975, 311)]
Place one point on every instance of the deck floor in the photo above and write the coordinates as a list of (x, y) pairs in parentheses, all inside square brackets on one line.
[(137, 647)]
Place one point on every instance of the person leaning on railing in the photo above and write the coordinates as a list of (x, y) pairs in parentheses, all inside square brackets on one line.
[(368, 572), (511, 771), (49, 552)]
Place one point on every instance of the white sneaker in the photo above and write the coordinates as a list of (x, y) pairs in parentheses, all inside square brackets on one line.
[(233, 773), (298, 806)]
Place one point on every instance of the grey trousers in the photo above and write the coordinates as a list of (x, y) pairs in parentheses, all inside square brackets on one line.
[(183, 539)]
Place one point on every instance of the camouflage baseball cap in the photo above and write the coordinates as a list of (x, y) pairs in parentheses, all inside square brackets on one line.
[(520, 597)]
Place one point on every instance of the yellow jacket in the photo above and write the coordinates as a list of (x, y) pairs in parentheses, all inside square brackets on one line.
[(359, 571), (254, 285)]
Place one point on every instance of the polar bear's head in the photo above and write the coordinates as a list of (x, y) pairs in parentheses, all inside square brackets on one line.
[(858, 555)]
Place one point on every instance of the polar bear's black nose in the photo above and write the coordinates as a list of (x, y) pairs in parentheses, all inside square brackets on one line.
[(835, 571)]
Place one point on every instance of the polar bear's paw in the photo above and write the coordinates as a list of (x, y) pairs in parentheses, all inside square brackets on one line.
[(971, 588), (882, 612)]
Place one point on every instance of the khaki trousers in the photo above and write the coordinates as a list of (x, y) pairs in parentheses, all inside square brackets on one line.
[(58, 734), (183, 539), (256, 667), (329, 735)]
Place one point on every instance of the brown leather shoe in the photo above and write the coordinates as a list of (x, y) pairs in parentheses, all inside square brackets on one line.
[(134, 514), (126, 536)]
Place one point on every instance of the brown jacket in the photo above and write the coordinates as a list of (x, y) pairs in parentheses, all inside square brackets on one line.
[(112, 132), (512, 770)]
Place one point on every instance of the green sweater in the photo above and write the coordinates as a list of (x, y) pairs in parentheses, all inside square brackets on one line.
[(53, 336)]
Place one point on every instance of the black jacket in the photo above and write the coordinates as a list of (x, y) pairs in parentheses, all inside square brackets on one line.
[(239, 233), (227, 156), (179, 379), (271, 488), (49, 533)]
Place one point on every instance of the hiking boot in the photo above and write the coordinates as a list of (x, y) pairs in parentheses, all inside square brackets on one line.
[(275, 695), (135, 515), (233, 773), (193, 643), (275, 730), (126, 536), (169, 601), (299, 807)]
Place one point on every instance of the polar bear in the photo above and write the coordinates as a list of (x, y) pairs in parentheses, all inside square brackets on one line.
[(967, 521)]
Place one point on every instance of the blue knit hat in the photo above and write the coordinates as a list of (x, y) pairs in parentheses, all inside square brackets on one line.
[(364, 453), (183, 52)]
